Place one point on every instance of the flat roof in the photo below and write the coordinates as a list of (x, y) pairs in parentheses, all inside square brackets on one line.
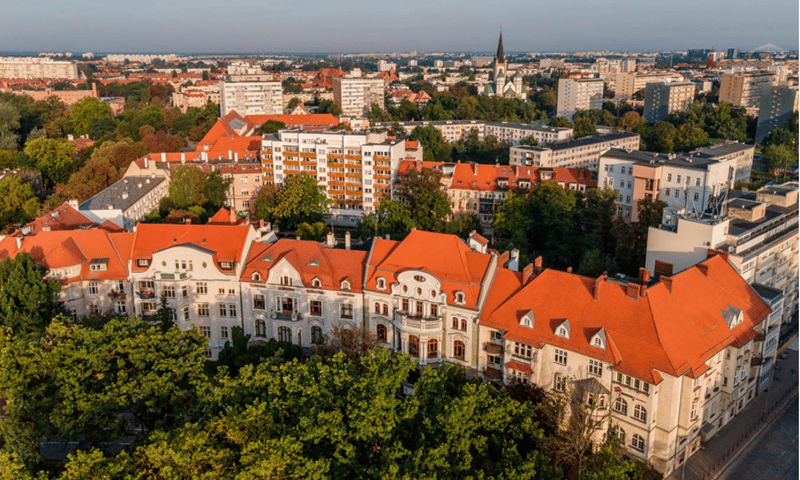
[(700, 161), (123, 194)]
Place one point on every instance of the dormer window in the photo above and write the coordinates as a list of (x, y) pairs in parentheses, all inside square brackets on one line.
[(142, 262), (345, 285), (98, 265), (313, 263), (255, 277), (459, 297), (599, 339), (381, 283), (226, 265), (316, 283), (527, 320), (563, 330)]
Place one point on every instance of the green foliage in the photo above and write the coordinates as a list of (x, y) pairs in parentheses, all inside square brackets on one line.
[(299, 200), (312, 231), (425, 198), (434, 146), (106, 165), (272, 126), (390, 218), (239, 352), (17, 201), (27, 300), (329, 106), (723, 121), (53, 157), (560, 122), (9, 123), (487, 152), (192, 187), (584, 127), (778, 157), (87, 110), (632, 237)]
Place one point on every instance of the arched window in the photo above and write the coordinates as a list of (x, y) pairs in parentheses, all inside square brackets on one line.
[(455, 324), (639, 413), (261, 328), (316, 335), (637, 442), (381, 283), (385, 309), (619, 433), (459, 297), (285, 334), (256, 277), (433, 348), (316, 283), (413, 346), (463, 325), (377, 307), (621, 406), (381, 333), (458, 350)]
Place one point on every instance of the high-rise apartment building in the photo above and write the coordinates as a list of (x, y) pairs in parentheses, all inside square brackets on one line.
[(745, 89), (661, 99), (775, 108), (578, 94), (356, 94), (629, 83), (250, 97), (32, 67)]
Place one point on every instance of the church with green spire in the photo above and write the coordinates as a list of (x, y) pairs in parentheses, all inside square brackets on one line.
[(505, 83)]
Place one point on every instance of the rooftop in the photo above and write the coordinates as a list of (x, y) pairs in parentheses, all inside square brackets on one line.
[(123, 194), (579, 142)]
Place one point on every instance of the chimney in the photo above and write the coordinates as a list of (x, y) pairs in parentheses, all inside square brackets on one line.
[(388, 236), (347, 240), (502, 260), (187, 221), (475, 169), (163, 156), (235, 156), (94, 89), (596, 291), (632, 291), (233, 216), (537, 264), (527, 273), (146, 161), (230, 154), (513, 262), (644, 276), (713, 251), (297, 237), (667, 281), (329, 241), (569, 269), (19, 242), (703, 267), (183, 158), (662, 269)]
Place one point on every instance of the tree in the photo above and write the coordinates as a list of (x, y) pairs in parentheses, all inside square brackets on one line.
[(355, 343), (631, 121), (329, 106), (661, 137), (272, 126), (299, 200), (191, 187), (52, 157), (18, 204), (239, 351), (584, 127), (9, 123), (426, 198), (560, 122), (312, 231), (390, 218), (86, 110), (265, 199), (639, 94), (632, 237), (27, 300), (100, 126), (689, 137), (529, 141), (778, 158), (293, 102), (434, 146)]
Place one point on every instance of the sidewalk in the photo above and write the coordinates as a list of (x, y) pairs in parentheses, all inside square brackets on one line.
[(709, 462)]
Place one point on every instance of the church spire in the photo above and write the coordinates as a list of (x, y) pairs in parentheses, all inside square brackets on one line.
[(500, 57)]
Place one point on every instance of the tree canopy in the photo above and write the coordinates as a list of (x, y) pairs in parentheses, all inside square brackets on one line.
[(27, 300), (299, 200)]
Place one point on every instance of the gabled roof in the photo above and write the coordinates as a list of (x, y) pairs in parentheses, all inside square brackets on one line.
[(63, 217), (226, 217), (480, 177), (446, 257), (311, 260), (673, 330), (226, 241)]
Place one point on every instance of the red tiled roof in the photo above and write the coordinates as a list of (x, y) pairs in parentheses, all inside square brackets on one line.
[(312, 121), (475, 176), (226, 217), (63, 217), (519, 367)]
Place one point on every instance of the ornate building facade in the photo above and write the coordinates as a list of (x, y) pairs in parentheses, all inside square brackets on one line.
[(505, 83)]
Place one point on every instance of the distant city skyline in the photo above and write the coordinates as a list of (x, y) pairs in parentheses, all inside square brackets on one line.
[(361, 26)]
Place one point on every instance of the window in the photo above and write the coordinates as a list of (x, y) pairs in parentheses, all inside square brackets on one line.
[(377, 307), (285, 334), (561, 357), (434, 310), (458, 350), (316, 335), (185, 291), (258, 302), (202, 309), (523, 350), (381, 283), (419, 310), (232, 309), (255, 277), (385, 309), (459, 297), (696, 196), (347, 310), (346, 286), (120, 285), (186, 313), (697, 182), (381, 333), (595, 367), (619, 433), (677, 192), (169, 292), (621, 406), (559, 383), (142, 262), (455, 323), (207, 353), (93, 290), (639, 413), (667, 192), (286, 280), (316, 283), (286, 304), (122, 307), (679, 179), (433, 348), (223, 332), (206, 331), (637, 442), (694, 411), (315, 308), (413, 346), (669, 177), (404, 305), (223, 310), (494, 335), (202, 287), (261, 328)]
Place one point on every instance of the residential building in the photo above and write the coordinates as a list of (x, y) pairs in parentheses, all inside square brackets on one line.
[(745, 89), (583, 152), (687, 182), (578, 94), (758, 231), (127, 201), (296, 291), (356, 94), (196, 268), (454, 130), (64, 217), (356, 169), (629, 83), (250, 97), (661, 99), (775, 109), (33, 67), (69, 97)]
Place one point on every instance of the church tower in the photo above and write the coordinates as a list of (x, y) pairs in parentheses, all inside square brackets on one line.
[(500, 65)]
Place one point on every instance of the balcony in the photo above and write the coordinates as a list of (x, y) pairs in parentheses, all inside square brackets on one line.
[(493, 374), (493, 348), (286, 316), (415, 324), (174, 276), (146, 294)]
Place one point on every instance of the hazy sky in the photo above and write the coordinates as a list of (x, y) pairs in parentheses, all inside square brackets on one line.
[(402, 25)]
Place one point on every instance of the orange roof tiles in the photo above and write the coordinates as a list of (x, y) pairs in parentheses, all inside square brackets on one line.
[(311, 260), (312, 121), (63, 217), (475, 176), (226, 217)]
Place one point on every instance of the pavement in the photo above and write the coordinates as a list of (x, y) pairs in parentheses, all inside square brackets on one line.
[(719, 454)]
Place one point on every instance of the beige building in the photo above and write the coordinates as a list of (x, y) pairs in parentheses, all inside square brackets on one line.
[(455, 130), (579, 153), (251, 97), (356, 94), (32, 67), (629, 83), (661, 99), (745, 89), (578, 94)]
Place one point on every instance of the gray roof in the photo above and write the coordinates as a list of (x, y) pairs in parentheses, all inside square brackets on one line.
[(123, 194), (724, 148), (700, 161), (581, 142)]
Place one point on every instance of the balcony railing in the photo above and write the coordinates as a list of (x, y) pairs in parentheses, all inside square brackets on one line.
[(493, 348), (285, 316), (146, 294), (493, 373), (418, 323)]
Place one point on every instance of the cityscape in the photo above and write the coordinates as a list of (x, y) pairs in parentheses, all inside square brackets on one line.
[(408, 252)]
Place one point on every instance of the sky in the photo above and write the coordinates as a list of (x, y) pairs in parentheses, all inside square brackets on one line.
[(351, 26)]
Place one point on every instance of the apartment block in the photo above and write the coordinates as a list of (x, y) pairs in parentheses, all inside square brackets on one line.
[(356, 94), (758, 231), (34, 67), (629, 83), (127, 201), (356, 169), (661, 99), (578, 94), (686, 182), (250, 97), (456, 130), (579, 153), (745, 89), (775, 109)]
